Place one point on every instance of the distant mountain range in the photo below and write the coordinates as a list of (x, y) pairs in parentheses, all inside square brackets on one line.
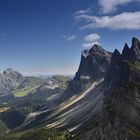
[(102, 102), (14, 86), (49, 76)]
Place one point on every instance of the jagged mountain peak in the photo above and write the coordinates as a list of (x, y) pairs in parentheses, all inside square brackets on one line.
[(116, 53), (131, 54), (96, 47), (92, 60), (126, 48), (10, 71), (98, 50), (115, 57), (95, 50), (126, 52), (119, 71), (135, 42), (135, 50)]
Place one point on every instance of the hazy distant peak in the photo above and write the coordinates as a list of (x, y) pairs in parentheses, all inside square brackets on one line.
[(9, 70)]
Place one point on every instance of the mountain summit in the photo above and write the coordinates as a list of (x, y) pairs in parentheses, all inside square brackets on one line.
[(9, 79), (94, 63)]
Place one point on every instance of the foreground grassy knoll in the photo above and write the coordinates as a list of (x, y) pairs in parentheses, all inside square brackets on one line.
[(38, 134)]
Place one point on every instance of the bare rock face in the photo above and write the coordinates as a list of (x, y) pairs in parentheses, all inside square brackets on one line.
[(94, 63), (112, 76), (135, 49), (93, 66)]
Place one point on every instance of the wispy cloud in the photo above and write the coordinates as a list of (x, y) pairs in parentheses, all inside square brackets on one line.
[(91, 39), (126, 20), (85, 11), (69, 38), (89, 45), (108, 6)]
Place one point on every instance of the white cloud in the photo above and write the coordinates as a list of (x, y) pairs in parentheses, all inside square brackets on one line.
[(112, 5), (89, 45), (70, 38), (126, 20), (92, 37), (86, 11)]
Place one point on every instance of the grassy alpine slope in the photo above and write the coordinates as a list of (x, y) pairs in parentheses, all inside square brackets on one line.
[(38, 134)]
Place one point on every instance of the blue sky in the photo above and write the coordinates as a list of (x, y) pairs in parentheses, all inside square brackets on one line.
[(47, 36)]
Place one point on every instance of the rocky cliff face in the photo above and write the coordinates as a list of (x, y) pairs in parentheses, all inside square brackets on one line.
[(121, 109), (94, 63), (93, 66)]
